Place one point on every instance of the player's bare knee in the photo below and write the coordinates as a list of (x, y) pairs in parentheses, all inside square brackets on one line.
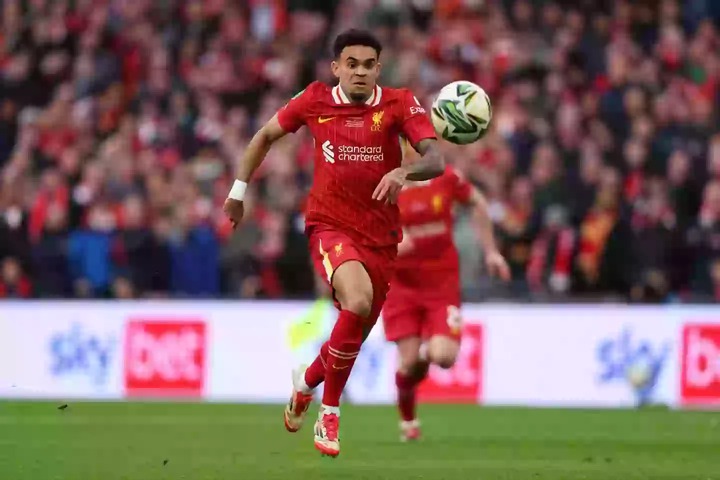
[(445, 359), (443, 352), (359, 302)]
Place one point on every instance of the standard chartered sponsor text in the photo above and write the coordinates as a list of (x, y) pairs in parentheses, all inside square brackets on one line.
[(348, 153)]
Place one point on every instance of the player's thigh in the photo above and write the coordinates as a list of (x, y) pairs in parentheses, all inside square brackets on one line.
[(378, 264), (340, 263), (443, 331), (353, 287)]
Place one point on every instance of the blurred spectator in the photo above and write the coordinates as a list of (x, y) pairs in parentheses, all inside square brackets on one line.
[(656, 243), (583, 185), (13, 222), (602, 263), (156, 275), (134, 248), (121, 122), (123, 289), (194, 257), (685, 191), (90, 253), (550, 265), (704, 238), (515, 227), (13, 281), (546, 175), (50, 253)]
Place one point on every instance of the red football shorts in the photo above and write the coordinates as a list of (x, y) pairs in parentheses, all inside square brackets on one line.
[(330, 248), (411, 312)]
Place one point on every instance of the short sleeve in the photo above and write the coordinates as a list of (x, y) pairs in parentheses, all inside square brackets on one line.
[(292, 116), (416, 124), (463, 189), (408, 152)]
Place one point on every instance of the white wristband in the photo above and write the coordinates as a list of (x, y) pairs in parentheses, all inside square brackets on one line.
[(237, 192)]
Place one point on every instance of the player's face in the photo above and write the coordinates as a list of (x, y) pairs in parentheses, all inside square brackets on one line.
[(357, 69)]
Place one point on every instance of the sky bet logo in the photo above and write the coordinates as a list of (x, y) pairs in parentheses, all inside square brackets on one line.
[(78, 352), (638, 362)]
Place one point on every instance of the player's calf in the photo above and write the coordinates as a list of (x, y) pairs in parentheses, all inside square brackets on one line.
[(412, 369), (353, 290)]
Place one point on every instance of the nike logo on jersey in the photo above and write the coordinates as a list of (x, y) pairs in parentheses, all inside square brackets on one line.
[(325, 119)]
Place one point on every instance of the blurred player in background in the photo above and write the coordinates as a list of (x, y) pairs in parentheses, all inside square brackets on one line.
[(352, 220), (422, 311)]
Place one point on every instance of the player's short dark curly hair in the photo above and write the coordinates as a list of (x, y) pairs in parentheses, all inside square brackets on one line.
[(356, 36)]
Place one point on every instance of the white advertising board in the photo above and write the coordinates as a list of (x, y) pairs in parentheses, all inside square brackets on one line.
[(554, 355)]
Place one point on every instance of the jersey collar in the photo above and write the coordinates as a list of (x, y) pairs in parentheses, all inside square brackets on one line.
[(340, 98)]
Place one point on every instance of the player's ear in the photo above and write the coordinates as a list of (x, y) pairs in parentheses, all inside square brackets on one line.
[(378, 67), (335, 67)]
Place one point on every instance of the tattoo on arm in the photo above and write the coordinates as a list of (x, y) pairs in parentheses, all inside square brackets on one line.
[(430, 165)]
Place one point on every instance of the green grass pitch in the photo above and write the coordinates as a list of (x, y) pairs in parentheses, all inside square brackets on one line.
[(160, 441)]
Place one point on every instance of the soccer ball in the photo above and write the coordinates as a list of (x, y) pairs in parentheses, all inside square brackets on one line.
[(461, 113), (639, 374)]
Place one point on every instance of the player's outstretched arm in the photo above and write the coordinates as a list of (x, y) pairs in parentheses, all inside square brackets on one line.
[(258, 148), (494, 261), (253, 156), (430, 165)]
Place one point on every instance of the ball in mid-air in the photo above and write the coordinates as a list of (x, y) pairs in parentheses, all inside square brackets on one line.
[(461, 112)]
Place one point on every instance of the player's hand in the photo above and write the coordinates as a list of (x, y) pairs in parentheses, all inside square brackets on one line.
[(234, 209), (497, 266), (389, 187)]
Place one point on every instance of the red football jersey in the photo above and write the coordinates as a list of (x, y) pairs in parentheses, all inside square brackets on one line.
[(355, 146), (426, 210)]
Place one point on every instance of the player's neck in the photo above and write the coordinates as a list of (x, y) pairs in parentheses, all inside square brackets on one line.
[(354, 100)]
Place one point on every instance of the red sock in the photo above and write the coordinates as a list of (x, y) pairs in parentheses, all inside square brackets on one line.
[(407, 392), (343, 349), (315, 373), (406, 397)]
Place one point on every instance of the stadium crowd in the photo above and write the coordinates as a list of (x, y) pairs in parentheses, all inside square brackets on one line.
[(121, 120)]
